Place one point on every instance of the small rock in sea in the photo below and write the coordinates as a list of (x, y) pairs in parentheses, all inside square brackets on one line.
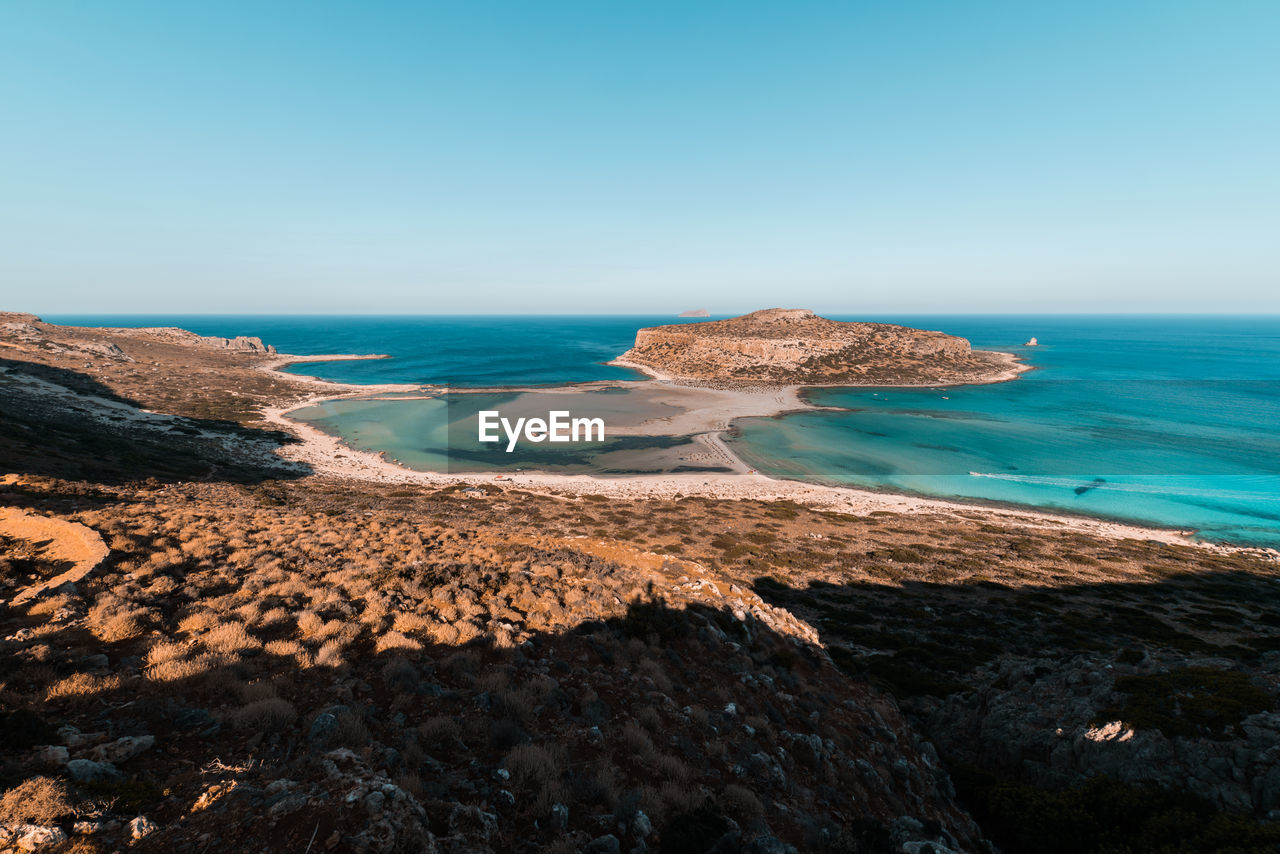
[(142, 827), (641, 825), (88, 771), (123, 749), (559, 819)]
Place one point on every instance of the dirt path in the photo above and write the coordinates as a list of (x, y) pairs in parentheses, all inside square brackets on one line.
[(56, 540)]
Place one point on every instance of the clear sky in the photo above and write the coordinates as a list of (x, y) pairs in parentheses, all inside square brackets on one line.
[(613, 156)]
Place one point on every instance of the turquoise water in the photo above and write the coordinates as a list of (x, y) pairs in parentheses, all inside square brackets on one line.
[(439, 434), (1164, 420)]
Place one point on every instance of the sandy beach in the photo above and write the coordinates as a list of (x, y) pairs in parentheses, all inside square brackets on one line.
[(706, 413)]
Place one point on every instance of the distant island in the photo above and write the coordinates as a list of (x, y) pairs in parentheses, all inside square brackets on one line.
[(694, 312), (779, 346)]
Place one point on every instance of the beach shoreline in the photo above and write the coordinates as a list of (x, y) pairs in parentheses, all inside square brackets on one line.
[(329, 455)]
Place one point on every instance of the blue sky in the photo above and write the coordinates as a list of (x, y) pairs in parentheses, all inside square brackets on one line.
[(639, 156)]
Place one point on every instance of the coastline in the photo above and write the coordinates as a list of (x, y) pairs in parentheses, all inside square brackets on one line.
[(329, 455)]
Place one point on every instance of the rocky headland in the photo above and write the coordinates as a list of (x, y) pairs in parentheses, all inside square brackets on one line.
[(779, 346)]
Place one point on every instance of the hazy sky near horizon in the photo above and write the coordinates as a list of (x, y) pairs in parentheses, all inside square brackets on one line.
[(614, 157)]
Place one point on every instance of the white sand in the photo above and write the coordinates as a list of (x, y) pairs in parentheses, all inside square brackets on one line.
[(709, 411)]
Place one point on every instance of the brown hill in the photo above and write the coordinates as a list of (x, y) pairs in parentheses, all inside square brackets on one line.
[(797, 347)]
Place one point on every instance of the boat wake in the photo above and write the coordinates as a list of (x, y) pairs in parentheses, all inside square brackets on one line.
[(1080, 485)]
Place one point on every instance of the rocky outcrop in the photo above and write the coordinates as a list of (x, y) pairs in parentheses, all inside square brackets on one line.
[(1049, 722), (795, 346), (174, 335)]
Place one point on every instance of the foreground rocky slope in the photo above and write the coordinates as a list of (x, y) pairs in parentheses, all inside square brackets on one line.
[(796, 347)]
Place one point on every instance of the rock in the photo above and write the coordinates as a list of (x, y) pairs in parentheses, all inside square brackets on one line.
[(695, 312), (374, 802), (287, 805), (472, 822), (35, 837), (88, 771), (142, 827), (324, 727), (51, 755), (767, 844), (189, 719), (641, 825), (607, 844), (123, 749), (559, 818)]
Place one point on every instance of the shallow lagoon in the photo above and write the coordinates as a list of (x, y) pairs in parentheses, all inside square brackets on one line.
[(440, 433)]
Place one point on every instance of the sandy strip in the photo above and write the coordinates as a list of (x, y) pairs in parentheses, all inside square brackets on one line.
[(328, 455), (58, 540)]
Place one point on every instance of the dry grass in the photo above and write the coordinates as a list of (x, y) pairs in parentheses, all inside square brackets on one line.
[(39, 800), (80, 686), (265, 714)]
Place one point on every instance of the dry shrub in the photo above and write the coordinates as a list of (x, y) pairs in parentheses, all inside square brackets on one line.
[(536, 769), (310, 623), (82, 685), (532, 765), (230, 639), (468, 632), (440, 733), (673, 768), (650, 718), (395, 640), (352, 731), (274, 617), (330, 654), (638, 743), (445, 633), (407, 621), (178, 669), (49, 605), (35, 801), (271, 713), (112, 623), (290, 649), (651, 668), (200, 621), (166, 651), (741, 802)]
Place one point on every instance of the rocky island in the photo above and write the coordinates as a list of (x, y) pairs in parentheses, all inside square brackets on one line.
[(779, 346)]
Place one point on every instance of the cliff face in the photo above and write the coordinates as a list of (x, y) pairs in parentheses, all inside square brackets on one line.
[(795, 346)]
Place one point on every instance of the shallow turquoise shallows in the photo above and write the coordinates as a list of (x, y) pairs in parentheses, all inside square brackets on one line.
[(1163, 420)]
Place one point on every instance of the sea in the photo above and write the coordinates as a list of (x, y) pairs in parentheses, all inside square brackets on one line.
[(1171, 421)]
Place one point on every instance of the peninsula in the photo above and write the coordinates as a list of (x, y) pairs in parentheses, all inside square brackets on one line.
[(779, 347)]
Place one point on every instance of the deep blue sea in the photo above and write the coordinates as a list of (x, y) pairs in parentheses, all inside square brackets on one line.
[(1164, 420)]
